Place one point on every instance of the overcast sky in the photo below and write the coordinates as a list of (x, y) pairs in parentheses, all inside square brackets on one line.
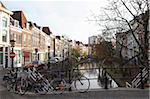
[(64, 17)]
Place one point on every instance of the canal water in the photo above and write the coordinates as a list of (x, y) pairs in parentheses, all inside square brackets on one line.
[(92, 75)]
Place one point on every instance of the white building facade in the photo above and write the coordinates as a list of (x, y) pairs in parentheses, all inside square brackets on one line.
[(4, 36), (16, 34)]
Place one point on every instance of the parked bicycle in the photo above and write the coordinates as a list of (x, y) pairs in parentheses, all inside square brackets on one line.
[(10, 80), (78, 81), (36, 82)]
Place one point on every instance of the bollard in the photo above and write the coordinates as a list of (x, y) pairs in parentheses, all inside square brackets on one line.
[(105, 76), (141, 78), (99, 74), (70, 80)]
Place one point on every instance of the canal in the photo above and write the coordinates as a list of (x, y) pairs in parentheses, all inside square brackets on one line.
[(92, 73)]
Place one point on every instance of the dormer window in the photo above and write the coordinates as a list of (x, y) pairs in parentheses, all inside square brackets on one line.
[(16, 23)]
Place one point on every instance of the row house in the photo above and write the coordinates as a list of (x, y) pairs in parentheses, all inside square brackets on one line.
[(126, 45), (35, 30), (32, 42), (82, 48), (16, 34), (26, 37), (52, 45), (79, 46), (40, 42), (58, 46), (62, 46), (42, 48), (65, 47), (48, 43), (4, 35)]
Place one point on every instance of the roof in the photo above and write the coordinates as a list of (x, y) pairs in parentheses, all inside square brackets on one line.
[(20, 16), (46, 30), (37, 25), (58, 37), (1, 4), (4, 9)]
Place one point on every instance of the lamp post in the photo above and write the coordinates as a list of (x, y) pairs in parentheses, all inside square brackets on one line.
[(63, 59), (36, 53), (12, 43), (49, 55)]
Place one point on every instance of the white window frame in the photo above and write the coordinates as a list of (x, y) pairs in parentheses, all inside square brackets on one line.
[(5, 22), (5, 35), (16, 23)]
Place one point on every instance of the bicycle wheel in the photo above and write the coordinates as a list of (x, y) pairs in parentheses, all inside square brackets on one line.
[(22, 86), (82, 84), (58, 86), (9, 85)]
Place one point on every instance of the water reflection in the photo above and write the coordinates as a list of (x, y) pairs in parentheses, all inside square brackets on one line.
[(92, 74)]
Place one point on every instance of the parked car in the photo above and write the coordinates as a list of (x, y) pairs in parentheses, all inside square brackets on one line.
[(38, 62), (53, 60), (59, 58)]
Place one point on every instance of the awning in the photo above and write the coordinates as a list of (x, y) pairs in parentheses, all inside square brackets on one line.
[(26, 54)]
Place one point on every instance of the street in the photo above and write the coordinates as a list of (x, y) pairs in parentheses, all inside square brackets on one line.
[(97, 94)]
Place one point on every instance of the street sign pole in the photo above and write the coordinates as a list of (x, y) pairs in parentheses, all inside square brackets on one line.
[(12, 55)]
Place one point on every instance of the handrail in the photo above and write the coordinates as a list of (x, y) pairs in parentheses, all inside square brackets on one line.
[(128, 85), (137, 80)]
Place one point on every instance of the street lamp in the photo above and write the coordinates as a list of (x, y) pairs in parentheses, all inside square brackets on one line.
[(63, 59), (49, 55), (12, 43), (36, 53)]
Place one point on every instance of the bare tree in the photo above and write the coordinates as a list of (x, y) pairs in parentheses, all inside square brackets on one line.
[(128, 17)]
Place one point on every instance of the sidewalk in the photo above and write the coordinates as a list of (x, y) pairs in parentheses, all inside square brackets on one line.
[(99, 94), (2, 73)]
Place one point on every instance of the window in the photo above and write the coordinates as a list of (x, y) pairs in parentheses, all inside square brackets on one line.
[(4, 21), (19, 39), (16, 23), (4, 36), (27, 26), (29, 40), (1, 55), (24, 39), (12, 36)]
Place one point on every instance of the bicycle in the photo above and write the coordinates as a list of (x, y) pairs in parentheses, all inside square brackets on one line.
[(10, 80), (80, 82), (34, 80)]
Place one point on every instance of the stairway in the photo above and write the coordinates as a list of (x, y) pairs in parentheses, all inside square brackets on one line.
[(136, 82)]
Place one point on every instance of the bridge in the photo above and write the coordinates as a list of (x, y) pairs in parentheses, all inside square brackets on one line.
[(130, 92)]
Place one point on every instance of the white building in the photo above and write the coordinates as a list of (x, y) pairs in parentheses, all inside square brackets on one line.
[(92, 40), (4, 36), (48, 42), (16, 34)]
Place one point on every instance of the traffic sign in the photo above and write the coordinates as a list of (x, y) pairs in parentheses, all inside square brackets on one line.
[(12, 54)]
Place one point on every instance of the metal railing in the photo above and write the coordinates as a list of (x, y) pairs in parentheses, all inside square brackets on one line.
[(139, 79)]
